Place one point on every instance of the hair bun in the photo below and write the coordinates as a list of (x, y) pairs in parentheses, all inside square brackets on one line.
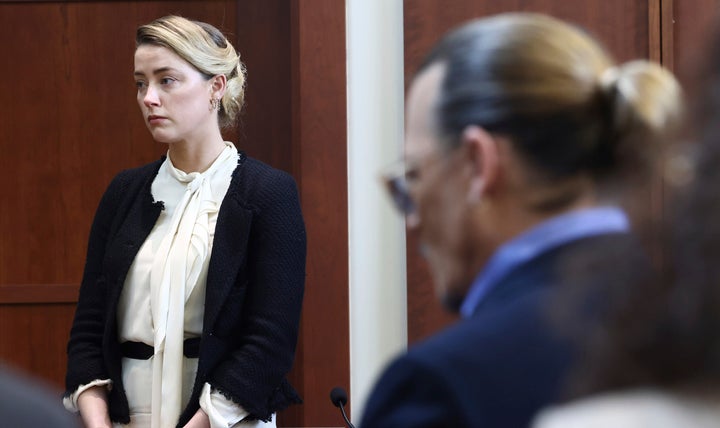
[(644, 97), (609, 78), (644, 107)]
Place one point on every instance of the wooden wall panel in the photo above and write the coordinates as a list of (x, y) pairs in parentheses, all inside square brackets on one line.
[(622, 25), (693, 24), (319, 154), (264, 42), (34, 336)]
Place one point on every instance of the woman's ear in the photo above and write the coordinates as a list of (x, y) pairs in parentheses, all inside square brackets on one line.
[(482, 149), (218, 83)]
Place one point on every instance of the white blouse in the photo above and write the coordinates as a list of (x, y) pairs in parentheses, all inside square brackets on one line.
[(162, 301)]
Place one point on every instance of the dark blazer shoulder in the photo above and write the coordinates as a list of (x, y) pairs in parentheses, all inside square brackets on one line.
[(498, 367), (128, 182), (413, 393), (487, 347), (139, 174), (493, 369), (259, 184)]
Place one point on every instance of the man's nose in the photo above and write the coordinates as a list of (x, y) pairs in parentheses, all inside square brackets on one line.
[(412, 220)]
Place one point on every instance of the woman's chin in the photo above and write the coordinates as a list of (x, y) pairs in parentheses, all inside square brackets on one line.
[(162, 138)]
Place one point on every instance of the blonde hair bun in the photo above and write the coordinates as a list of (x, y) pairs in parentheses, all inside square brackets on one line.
[(645, 97)]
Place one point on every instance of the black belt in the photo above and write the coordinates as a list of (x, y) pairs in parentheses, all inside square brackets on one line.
[(143, 351)]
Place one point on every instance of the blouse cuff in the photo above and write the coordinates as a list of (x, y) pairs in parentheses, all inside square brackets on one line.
[(70, 401), (222, 412)]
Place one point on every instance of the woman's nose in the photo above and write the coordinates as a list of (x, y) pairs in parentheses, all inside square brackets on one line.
[(151, 97)]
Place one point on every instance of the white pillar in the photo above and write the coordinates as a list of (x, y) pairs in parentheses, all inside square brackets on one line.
[(378, 309)]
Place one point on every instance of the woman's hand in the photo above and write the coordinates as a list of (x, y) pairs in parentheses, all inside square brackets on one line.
[(92, 404), (199, 420)]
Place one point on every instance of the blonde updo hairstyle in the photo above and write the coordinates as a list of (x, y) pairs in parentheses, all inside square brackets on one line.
[(556, 93), (205, 48)]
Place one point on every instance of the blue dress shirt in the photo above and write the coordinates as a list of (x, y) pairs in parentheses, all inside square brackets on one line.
[(551, 233)]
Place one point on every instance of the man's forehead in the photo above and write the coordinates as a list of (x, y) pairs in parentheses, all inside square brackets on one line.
[(421, 100), (425, 87)]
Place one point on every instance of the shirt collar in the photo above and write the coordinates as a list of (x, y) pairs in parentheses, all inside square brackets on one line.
[(530, 244)]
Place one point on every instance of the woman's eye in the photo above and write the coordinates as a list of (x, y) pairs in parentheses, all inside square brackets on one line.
[(166, 80), (140, 84)]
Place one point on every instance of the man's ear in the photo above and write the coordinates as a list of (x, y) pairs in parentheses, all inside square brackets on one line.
[(482, 149), (218, 83)]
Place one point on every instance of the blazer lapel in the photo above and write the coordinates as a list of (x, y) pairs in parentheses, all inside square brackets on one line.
[(228, 256), (138, 221)]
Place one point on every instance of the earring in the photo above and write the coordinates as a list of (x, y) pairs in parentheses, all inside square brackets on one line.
[(214, 104)]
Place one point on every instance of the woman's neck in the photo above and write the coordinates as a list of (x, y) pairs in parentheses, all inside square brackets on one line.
[(195, 157)]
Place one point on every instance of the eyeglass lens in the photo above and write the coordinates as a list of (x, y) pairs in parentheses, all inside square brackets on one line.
[(400, 195)]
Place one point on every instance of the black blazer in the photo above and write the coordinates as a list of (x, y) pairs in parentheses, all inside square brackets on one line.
[(514, 355), (253, 299)]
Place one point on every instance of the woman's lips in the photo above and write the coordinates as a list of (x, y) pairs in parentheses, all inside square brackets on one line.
[(156, 120)]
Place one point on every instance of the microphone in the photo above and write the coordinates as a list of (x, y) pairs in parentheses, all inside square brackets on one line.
[(339, 398)]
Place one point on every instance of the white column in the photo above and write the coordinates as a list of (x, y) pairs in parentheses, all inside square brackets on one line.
[(378, 309)]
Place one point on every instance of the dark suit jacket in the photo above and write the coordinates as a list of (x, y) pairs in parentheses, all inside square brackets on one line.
[(253, 298), (497, 368)]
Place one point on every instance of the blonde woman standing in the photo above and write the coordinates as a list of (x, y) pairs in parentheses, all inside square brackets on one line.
[(190, 300)]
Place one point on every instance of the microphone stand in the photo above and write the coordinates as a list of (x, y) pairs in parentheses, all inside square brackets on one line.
[(347, 421), (338, 396)]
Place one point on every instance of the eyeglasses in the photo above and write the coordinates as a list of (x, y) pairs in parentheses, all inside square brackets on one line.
[(401, 175), (396, 179)]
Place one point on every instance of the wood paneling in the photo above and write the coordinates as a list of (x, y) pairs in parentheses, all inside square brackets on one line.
[(693, 23), (655, 30), (38, 293), (264, 41), (622, 25), (319, 154), (33, 338)]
